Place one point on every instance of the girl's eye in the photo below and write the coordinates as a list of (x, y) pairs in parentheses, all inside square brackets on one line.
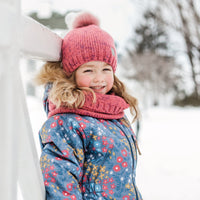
[(106, 69), (87, 70)]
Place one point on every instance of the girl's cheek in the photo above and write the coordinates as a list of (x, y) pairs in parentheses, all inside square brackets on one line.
[(83, 82), (110, 80)]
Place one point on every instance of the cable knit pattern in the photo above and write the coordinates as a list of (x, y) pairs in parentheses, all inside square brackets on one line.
[(105, 107)]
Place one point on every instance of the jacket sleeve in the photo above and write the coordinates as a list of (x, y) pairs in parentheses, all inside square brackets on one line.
[(61, 159)]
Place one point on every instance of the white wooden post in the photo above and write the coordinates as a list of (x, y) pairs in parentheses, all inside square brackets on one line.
[(9, 100), (37, 42), (18, 157)]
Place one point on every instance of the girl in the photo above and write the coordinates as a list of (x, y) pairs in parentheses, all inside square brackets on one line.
[(88, 146)]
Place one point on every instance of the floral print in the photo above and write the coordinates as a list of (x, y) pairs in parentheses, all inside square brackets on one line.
[(88, 158)]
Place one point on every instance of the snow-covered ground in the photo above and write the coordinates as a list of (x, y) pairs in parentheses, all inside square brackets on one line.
[(169, 167), (169, 139)]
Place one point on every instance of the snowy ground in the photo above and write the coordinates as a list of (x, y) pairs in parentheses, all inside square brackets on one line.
[(169, 167)]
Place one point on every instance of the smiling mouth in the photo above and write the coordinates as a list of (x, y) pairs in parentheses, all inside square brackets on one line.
[(98, 87)]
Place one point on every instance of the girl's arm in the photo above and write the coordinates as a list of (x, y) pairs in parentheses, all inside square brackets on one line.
[(61, 161)]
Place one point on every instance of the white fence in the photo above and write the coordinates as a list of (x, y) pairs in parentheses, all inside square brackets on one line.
[(19, 162)]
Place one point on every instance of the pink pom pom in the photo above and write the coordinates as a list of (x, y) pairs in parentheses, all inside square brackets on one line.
[(85, 19)]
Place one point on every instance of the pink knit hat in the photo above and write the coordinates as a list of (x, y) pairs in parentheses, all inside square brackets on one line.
[(87, 42)]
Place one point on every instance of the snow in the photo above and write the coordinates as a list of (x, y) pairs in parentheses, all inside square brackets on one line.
[(169, 165), (169, 141)]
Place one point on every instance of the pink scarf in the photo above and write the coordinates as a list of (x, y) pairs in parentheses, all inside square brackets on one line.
[(105, 107)]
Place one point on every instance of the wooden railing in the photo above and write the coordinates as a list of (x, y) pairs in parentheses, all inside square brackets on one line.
[(19, 163)]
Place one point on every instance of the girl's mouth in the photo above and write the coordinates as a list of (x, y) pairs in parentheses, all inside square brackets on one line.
[(98, 89)]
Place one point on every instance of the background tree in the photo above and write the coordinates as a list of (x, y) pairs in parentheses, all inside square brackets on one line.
[(149, 61), (183, 17), (150, 36)]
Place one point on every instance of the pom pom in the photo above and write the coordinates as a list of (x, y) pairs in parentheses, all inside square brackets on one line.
[(85, 19)]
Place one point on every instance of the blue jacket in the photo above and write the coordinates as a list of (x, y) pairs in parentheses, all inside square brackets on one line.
[(88, 158)]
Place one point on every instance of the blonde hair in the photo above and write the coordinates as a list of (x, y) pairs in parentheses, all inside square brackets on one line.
[(65, 91)]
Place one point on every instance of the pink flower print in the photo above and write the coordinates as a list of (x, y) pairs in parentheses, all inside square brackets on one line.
[(104, 194), (65, 193), (105, 142), (46, 183), (78, 132), (81, 174), (52, 167), (60, 122), (84, 136), (119, 159), (53, 180), (46, 176), (104, 149), (65, 153), (85, 120), (111, 180), (124, 164), (48, 138), (83, 189), (124, 152), (73, 197), (111, 192), (105, 181), (104, 137), (78, 118), (53, 125), (57, 158), (56, 117), (69, 186), (116, 168), (126, 197), (105, 187), (108, 123), (113, 186), (54, 173), (111, 140), (111, 146), (47, 169), (82, 125), (84, 178)]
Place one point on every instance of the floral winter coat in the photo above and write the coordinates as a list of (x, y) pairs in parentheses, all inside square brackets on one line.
[(88, 158)]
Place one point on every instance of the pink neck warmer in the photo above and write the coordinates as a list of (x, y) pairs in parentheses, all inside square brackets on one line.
[(105, 107)]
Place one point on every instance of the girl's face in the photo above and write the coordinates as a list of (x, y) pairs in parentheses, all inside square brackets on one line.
[(96, 75)]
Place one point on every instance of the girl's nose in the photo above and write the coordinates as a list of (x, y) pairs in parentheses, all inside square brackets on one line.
[(98, 77)]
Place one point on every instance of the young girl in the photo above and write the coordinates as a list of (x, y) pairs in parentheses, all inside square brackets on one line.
[(88, 146)]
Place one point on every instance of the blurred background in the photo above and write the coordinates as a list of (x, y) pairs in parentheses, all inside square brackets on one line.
[(158, 45)]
